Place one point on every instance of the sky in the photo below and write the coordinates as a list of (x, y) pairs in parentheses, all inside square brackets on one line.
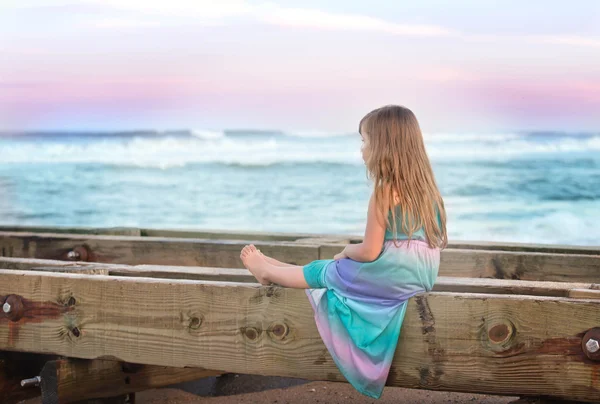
[(309, 65)]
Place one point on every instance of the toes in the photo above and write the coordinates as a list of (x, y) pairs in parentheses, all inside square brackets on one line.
[(252, 248), (246, 250)]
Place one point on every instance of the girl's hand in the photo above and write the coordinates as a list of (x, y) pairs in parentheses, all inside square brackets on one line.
[(341, 255)]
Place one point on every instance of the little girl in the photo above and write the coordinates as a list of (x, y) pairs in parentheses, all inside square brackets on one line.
[(360, 296)]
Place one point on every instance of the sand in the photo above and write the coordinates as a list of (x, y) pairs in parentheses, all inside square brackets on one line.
[(316, 392), (320, 392)]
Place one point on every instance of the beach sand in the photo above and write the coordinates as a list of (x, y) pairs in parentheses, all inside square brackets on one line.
[(315, 392)]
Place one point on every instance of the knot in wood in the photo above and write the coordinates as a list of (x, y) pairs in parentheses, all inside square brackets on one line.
[(278, 331), (76, 332), (195, 322), (590, 349), (13, 308), (250, 333), (498, 333), (501, 334)]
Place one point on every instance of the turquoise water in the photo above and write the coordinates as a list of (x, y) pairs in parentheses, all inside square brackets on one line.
[(523, 187)]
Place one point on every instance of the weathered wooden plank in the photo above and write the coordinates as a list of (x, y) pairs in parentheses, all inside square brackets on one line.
[(473, 342), (443, 284), (146, 250), (223, 235), (525, 247), (151, 232), (225, 253), (71, 380), (339, 241), (585, 293), (30, 263), (110, 231), (301, 237), (520, 265), (531, 266)]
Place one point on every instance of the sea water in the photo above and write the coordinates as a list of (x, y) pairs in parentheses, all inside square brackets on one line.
[(541, 187)]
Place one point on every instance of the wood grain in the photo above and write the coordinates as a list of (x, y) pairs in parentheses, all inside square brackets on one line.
[(147, 250), (299, 237), (225, 253), (443, 283), (517, 345)]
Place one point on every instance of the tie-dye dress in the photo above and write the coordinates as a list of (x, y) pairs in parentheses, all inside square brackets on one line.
[(359, 306)]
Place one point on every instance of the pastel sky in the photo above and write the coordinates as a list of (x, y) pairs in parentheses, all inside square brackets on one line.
[(467, 65)]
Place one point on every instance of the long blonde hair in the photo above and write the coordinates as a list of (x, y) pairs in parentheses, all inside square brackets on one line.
[(400, 169)]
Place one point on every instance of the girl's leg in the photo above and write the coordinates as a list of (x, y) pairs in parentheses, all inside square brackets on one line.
[(276, 262), (265, 272), (270, 260)]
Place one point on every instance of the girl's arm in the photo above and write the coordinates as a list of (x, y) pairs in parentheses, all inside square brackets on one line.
[(372, 243)]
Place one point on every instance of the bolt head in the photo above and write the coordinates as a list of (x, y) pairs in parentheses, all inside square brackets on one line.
[(592, 345), (6, 308), (73, 254)]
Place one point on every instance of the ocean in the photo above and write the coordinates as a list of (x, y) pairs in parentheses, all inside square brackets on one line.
[(541, 187)]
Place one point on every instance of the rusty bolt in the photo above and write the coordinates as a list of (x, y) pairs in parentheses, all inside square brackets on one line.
[(79, 253), (13, 308), (34, 381), (592, 345), (73, 255)]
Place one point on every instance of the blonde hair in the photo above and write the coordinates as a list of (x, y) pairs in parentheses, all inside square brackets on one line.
[(402, 174)]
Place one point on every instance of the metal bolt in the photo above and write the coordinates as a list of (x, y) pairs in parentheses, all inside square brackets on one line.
[(73, 255), (592, 345), (34, 381), (6, 308)]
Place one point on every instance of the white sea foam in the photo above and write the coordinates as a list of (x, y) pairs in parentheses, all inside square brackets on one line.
[(207, 134), (202, 146)]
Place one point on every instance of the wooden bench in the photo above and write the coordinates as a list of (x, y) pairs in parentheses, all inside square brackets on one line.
[(499, 321)]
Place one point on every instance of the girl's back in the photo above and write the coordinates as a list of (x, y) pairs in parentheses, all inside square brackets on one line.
[(360, 296)]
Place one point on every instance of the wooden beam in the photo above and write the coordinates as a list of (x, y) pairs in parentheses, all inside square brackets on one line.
[(71, 380), (514, 345), (525, 247), (520, 265), (443, 284), (298, 237), (146, 250), (224, 235), (109, 231), (225, 253)]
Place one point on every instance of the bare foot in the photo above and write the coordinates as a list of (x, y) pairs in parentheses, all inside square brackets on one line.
[(255, 262)]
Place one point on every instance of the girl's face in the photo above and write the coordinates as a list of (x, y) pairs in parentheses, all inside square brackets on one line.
[(365, 150)]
